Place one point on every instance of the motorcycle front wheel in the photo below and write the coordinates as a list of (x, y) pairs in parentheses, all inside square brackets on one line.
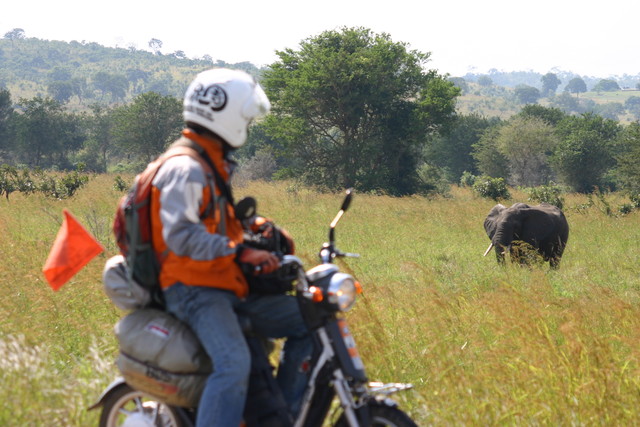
[(383, 416), (124, 406)]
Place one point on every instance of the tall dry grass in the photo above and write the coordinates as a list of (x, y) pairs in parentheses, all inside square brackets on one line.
[(483, 344)]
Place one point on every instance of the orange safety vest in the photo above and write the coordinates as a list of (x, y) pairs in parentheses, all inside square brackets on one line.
[(222, 272)]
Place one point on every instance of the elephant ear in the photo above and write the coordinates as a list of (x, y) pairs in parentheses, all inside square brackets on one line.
[(537, 224), (491, 221)]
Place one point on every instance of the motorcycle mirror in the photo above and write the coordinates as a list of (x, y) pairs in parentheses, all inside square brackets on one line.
[(246, 208), (345, 205), (347, 200)]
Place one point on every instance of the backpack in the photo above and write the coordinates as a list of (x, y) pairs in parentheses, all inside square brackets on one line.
[(132, 230)]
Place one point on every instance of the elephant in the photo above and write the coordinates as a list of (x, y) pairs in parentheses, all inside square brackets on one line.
[(544, 227)]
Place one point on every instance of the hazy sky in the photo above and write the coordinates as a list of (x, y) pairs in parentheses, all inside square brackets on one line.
[(589, 38)]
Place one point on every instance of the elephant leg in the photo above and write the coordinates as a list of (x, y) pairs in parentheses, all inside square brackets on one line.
[(556, 254)]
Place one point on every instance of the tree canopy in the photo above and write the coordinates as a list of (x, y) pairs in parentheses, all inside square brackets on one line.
[(606, 85), (527, 94), (355, 108), (525, 142), (453, 151), (576, 85), (550, 115), (550, 83), (148, 124), (6, 113), (45, 133), (15, 34), (628, 164), (585, 151)]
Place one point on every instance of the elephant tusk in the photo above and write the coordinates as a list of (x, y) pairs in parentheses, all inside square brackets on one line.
[(488, 249)]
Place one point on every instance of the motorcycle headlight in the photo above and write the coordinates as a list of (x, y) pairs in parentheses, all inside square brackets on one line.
[(342, 291)]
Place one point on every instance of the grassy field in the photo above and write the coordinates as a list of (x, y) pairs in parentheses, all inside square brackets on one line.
[(483, 344)]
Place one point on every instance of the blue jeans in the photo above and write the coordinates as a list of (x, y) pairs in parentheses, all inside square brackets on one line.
[(212, 315)]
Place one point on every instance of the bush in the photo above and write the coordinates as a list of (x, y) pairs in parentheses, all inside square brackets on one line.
[(26, 182), (120, 184), (70, 183), (467, 179), (546, 194), (627, 208), (491, 188)]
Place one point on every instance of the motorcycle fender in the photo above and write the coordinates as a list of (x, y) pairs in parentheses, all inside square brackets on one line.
[(346, 350), (114, 384)]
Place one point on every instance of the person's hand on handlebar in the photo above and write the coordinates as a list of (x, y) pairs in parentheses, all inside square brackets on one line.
[(263, 262)]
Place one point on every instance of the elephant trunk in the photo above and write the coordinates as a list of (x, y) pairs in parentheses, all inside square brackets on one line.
[(502, 240)]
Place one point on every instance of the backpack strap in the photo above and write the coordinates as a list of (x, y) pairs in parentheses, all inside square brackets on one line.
[(220, 182), (185, 146)]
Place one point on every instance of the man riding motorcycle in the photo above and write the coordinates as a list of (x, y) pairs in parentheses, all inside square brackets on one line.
[(200, 241)]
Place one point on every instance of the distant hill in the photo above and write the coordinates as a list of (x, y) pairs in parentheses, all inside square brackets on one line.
[(80, 74)]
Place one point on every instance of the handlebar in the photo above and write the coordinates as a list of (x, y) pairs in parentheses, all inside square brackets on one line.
[(348, 255)]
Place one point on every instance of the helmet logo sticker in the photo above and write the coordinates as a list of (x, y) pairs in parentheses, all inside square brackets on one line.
[(213, 96)]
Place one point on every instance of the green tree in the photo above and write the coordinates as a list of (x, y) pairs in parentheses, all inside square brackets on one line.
[(60, 74), (15, 34), (46, 134), (7, 120), (61, 91), (100, 139), (576, 85), (145, 127), (489, 160), (585, 151), (527, 94), (550, 83), (567, 103), (453, 150), (114, 84), (632, 104), (526, 143), (550, 115), (155, 45), (606, 85), (628, 170), (160, 84), (632, 101), (138, 78), (78, 87), (356, 109)]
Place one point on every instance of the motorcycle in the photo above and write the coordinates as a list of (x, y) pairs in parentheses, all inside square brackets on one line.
[(338, 392)]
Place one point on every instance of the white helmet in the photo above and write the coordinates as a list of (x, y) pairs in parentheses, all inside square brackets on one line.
[(225, 102)]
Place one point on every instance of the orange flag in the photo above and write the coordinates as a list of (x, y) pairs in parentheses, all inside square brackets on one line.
[(73, 248)]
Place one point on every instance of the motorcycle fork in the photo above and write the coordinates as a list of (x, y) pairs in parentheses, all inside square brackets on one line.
[(318, 395), (338, 360)]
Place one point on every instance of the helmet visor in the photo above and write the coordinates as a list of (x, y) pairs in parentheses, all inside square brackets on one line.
[(256, 105)]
